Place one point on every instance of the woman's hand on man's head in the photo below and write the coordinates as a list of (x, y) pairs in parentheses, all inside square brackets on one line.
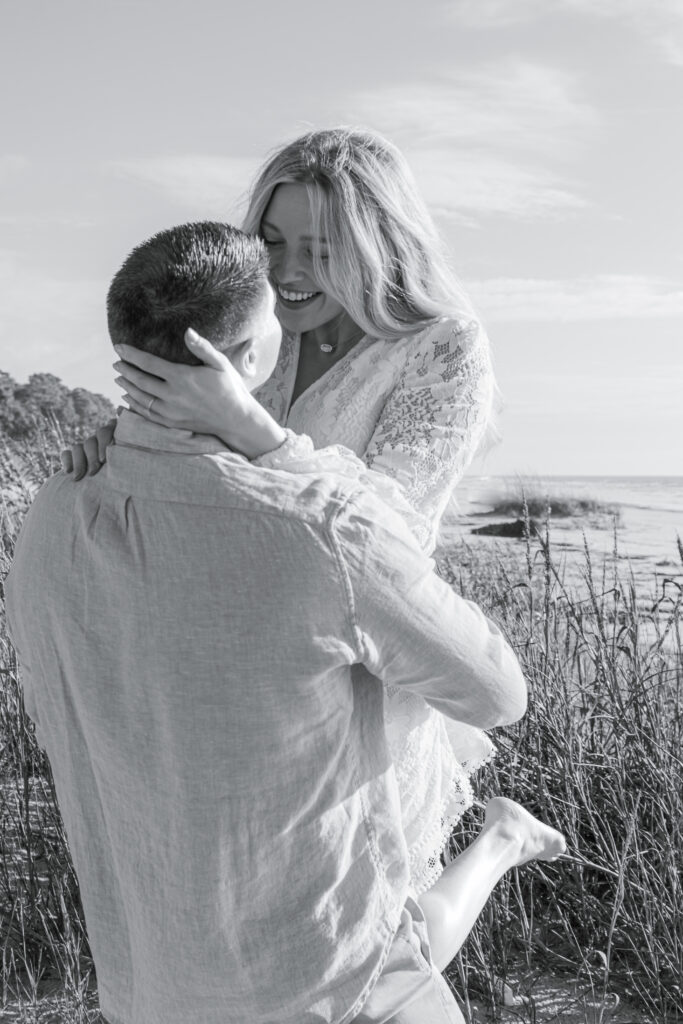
[(205, 399)]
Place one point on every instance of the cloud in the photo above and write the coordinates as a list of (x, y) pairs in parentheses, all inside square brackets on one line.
[(605, 297), (203, 185), (478, 140), (659, 20), (511, 104), (459, 185)]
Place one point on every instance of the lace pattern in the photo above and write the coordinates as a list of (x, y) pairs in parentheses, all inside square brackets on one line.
[(406, 417)]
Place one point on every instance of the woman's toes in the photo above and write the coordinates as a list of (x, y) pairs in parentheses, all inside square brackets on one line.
[(535, 839)]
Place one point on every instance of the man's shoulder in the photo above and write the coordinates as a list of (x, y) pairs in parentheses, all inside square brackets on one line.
[(51, 491), (224, 480)]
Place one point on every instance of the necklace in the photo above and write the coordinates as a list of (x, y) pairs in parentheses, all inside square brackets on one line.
[(327, 348)]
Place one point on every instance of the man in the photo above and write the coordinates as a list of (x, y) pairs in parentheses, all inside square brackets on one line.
[(203, 642)]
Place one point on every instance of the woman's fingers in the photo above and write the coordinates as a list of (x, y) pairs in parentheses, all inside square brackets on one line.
[(104, 437), (79, 461), (158, 367), (145, 382), (143, 410), (204, 350), (89, 456), (92, 455), (144, 398)]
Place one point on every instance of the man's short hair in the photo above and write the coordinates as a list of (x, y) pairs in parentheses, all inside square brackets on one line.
[(207, 275)]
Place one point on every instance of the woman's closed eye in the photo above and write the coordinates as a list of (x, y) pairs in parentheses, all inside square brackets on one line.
[(310, 253)]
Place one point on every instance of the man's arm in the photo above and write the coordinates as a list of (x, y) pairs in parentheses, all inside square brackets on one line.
[(414, 631)]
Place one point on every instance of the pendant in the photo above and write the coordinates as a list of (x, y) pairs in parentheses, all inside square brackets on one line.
[(327, 348)]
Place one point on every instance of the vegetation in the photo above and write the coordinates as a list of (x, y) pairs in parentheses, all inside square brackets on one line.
[(24, 407), (598, 756), (535, 502)]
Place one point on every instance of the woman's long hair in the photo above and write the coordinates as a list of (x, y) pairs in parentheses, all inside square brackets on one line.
[(386, 264)]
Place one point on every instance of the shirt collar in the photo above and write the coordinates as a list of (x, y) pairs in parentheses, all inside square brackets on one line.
[(134, 431)]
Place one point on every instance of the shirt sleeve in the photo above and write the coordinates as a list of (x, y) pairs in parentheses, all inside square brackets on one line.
[(428, 432), (30, 704), (413, 631), (434, 420)]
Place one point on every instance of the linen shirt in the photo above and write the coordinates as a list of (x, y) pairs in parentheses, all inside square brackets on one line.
[(203, 643)]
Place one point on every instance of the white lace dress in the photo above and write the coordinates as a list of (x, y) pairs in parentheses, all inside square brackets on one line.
[(412, 412)]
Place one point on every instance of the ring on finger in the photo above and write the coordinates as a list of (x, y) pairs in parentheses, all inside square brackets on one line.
[(151, 403)]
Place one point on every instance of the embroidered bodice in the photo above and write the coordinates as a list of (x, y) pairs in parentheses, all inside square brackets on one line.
[(409, 415), (414, 410)]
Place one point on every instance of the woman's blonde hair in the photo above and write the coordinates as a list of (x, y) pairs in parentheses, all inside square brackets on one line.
[(386, 264)]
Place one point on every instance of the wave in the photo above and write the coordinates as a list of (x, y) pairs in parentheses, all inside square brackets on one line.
[(650, 508)]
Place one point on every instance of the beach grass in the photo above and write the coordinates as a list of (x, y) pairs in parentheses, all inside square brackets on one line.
[(598, 756), (531, 497)]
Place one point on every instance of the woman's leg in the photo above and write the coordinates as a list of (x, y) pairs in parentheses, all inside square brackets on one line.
[(510, 836)]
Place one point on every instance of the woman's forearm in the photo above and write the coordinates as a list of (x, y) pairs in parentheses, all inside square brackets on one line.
[(255, 433)]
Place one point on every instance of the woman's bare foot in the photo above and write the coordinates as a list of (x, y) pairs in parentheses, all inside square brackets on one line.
[(511, 822)]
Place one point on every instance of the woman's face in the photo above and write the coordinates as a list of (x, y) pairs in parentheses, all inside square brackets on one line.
[(287, 230)]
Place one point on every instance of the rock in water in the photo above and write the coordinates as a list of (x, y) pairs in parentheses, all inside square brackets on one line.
[(515, 529)]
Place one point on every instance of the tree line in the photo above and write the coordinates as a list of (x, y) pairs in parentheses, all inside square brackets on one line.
[(24, 408)]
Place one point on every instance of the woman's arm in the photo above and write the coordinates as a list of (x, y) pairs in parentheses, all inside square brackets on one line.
[(434, 420)]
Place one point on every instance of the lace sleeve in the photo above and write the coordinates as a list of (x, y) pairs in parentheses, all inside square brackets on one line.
[(434, 420)]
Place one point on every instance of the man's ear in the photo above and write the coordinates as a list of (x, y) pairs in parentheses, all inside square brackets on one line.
[(243, 358)]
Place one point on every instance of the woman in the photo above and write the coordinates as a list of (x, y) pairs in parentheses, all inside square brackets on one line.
[(382, 354)]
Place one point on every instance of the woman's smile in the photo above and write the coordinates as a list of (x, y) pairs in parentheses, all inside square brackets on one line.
[(295, 298)]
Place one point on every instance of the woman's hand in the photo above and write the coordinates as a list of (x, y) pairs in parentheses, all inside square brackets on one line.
[(208, 399), (90, 456)]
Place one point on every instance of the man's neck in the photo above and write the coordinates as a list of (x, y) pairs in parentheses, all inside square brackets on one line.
[(135, 431)]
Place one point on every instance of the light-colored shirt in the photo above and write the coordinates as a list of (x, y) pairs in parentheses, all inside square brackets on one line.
[(202, 642)]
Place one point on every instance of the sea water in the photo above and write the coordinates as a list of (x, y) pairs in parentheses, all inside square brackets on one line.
[(643, 534)]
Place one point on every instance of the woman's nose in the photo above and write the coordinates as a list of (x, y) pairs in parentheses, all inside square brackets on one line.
[(289, 266)]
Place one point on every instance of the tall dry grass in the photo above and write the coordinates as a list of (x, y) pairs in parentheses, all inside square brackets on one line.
[(598, 755)]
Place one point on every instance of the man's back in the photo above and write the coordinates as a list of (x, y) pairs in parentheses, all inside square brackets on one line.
[(187, 625)]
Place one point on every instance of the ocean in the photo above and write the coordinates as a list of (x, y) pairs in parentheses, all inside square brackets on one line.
[(650, 516)]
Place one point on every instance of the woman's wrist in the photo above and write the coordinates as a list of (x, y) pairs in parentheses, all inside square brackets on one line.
[(257, 433)]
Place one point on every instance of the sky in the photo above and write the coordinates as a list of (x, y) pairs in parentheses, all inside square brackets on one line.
[(545, 136)]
